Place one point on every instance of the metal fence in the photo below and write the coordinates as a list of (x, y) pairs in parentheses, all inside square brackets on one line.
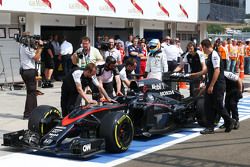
[(240, 36)]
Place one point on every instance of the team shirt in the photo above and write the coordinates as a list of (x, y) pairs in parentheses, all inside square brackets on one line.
[(231, 76), (77, 77), (215, 59), (123, 74)]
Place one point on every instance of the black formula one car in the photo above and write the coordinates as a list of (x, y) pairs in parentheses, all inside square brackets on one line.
[(149, 108)]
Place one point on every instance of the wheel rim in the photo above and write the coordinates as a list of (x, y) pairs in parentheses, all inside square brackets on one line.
[(125, 133)]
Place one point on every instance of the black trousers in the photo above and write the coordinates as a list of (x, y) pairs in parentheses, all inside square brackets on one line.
[(109, 89), (193, 86), (231, 102), (69, 100), (214, 105), (67, 64), (29, 78)]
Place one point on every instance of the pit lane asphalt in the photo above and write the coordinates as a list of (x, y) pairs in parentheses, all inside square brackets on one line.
[(220, 149), (215, 150)]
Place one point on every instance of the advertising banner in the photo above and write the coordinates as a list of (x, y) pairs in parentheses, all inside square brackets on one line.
[(165, 10)]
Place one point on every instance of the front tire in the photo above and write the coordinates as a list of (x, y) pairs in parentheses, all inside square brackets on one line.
[(42, 118), (117, 130)]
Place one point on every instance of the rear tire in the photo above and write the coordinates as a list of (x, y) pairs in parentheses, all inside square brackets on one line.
[(117, 130), (200, 112), (42, 118)]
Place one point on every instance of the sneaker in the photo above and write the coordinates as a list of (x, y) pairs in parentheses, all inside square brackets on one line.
[(44, 85), (207, 131), (230, 126), (237, 125), (222, 126)]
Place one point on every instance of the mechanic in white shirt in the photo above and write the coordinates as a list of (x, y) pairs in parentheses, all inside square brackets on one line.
[(234, 90), (86, 54), (66, 50), (73, 87), (112, 51), (156, 61), (215, 89)]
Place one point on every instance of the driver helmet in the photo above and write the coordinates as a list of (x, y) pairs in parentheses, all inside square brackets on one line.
[(154, 45)]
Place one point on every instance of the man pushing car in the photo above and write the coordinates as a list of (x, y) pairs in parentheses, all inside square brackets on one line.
[(73, 88)]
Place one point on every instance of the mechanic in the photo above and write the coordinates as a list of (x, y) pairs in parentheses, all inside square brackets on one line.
[(156, 61), (112, 51), (198, 67), (215, 89), (234, 90), (106, 73), (28, 57), (86, 54), (126, 73), (73, 87)]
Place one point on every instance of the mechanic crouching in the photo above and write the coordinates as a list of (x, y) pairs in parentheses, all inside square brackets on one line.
[(156, 61), (234, 90), (198, 67), (73, 88)]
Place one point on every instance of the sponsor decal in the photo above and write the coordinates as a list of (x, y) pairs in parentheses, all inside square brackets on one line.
[(38, 4), (56, 131), (84, 4), (163, 9), (183, 10), (86, 147), (166, 93), (158, 86), (110, 4), (137, 6)]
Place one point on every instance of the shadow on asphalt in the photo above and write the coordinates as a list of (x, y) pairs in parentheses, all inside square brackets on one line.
[(182, 161), (7, 115)]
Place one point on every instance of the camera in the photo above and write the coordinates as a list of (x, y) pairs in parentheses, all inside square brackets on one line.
[(82, 53), (28, 40)]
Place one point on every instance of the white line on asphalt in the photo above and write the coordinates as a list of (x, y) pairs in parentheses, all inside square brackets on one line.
[(157, 148)]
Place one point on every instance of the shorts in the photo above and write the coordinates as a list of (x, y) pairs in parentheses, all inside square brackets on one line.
[(49, 63)]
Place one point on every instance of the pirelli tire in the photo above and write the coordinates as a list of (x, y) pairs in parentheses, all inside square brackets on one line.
[(42, 118), (200, 112), (117, 130)]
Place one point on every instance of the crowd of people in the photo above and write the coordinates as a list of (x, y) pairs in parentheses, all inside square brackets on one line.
[(232, 53), (107, 68)]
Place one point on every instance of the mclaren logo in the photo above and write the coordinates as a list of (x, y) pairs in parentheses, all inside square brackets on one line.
[(86, 147)]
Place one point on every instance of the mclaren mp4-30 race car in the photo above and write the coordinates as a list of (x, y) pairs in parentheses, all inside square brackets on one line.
[(150, 107)]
